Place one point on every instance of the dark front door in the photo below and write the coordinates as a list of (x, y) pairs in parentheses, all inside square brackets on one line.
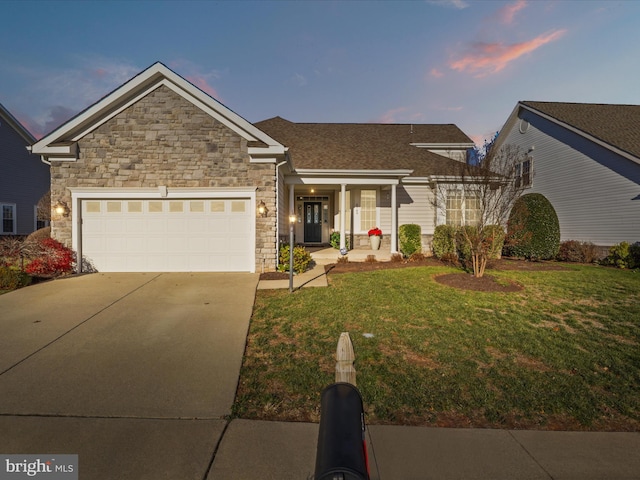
[(312, 222)]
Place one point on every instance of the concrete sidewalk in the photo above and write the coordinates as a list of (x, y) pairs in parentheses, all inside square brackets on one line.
[(277, 450)]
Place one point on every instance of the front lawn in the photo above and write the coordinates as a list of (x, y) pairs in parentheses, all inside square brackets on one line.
[(562, 353)]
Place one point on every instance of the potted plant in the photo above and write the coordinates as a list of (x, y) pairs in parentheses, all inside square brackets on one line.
[(375, 235)]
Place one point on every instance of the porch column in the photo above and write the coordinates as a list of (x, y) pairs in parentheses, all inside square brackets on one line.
[(394, 220), (343, 216)]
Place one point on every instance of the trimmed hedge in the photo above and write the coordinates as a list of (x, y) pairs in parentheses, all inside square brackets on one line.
[(533, 228), (444, 242), (410, 236)]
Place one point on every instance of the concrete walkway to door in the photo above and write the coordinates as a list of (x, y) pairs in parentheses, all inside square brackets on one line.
[(135, 373)]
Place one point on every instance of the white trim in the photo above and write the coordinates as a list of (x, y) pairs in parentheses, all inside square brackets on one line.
[(80, 194), (341, 173), (444, 146), (295, 180)]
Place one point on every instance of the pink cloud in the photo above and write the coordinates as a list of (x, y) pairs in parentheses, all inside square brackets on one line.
[(203, 85), (507, 13), (437, 73), (390, 115), (31, 126), (488, 58)]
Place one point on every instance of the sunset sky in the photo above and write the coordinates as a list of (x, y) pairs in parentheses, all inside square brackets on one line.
[(431, 61)]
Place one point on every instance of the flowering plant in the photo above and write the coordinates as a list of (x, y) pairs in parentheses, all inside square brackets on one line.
[(375, 231)]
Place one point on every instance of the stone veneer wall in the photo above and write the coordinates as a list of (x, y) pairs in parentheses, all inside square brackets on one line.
[(164, 139)]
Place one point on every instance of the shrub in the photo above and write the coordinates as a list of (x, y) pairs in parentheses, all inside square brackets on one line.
[(634, 253), (410, 237), (623, 255), (52, 258), (371, 259), (575, 251), (334, 240), (12, 278), (444, 241), (463, 249), (397, 257), (533, 228), (301, 259), (417, 257), (494, 236)]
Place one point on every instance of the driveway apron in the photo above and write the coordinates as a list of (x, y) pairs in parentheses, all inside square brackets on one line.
[(123, 364)]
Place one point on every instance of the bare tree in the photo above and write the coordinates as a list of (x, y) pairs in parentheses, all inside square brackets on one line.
[(484, 195), (43, 209)]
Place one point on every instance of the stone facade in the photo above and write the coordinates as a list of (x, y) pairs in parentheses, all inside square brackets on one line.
[(164, 139)]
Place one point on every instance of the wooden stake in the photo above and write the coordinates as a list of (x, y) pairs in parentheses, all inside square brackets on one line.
[(345, 371)]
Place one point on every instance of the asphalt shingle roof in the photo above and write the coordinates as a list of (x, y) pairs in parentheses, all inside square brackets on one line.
[(356, 146), (617, 125)]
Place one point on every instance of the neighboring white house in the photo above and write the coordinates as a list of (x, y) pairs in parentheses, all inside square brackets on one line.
[(24, 179), (585, 159)]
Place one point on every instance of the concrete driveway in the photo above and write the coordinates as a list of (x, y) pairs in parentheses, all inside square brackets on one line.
[(133, 372)]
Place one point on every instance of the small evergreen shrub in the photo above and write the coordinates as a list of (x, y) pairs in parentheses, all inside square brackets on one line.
[(301, 259), (463, 248), (334, 240), (410, 236), (575, 251), (444, 241), (634, 254), (623, 255), (533, 228)]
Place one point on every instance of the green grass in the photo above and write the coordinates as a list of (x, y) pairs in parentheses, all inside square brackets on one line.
[(563, 353)]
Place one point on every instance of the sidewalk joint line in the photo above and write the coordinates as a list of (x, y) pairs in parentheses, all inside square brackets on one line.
[(215, 449), (77, 326), (530, 455)]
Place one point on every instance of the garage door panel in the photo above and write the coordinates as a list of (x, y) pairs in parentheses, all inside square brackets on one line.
[(168, 235)]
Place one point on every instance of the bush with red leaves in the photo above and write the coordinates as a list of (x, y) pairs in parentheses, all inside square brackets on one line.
[(52, 259)]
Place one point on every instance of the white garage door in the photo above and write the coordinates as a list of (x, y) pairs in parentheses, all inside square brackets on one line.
[(169, 235)]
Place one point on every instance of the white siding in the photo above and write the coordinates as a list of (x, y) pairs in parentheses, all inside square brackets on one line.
[(595, 192), (415, 205)]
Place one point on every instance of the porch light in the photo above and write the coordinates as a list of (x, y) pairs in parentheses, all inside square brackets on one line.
[(61, 208), (262, 209)]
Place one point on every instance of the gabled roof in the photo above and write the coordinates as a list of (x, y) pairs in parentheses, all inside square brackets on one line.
[(377, 147), (6, 116), (61, 143), (616, 127)]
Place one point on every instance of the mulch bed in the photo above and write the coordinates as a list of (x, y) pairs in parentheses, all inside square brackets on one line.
[(457, 280)]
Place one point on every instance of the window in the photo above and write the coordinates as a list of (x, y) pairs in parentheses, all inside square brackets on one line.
[(8, 219), (368, 210), (462, 209), (454, 209), (523, 174)]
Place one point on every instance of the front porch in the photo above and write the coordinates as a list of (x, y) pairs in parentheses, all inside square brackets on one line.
[(327, 255)]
